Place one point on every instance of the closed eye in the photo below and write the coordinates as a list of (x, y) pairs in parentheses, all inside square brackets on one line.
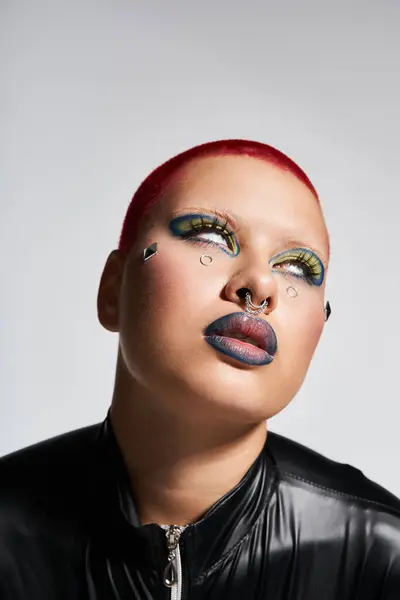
[(205, 230), (301, 263)]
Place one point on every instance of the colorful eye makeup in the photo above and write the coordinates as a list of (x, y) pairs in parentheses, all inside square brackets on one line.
[(214, 228), (207, 230), (301, 263)]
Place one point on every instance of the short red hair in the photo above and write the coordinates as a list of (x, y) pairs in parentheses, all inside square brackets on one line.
[(152, 188)]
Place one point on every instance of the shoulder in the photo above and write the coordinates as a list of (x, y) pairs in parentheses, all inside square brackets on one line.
[(341, 506), (53, 473), (297, 463), (46, 501), (65, 450)]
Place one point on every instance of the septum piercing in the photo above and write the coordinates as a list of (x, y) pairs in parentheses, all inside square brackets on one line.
[(206, 260), (253, 308)]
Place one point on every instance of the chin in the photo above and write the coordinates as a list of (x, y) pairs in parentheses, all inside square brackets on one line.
[(223, 394)]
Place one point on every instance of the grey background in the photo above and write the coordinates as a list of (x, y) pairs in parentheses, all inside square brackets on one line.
[(95, 94)]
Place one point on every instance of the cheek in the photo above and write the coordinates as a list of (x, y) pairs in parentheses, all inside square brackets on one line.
[(165, 304), (310, 336), (170, 290), (304, 322), (312, 330), (177, 278)]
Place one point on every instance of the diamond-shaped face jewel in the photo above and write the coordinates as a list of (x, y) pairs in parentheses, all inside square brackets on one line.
[(150, 251), (328, 311)]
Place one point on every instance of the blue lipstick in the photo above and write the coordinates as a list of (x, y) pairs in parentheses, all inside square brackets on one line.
[(244, 337)]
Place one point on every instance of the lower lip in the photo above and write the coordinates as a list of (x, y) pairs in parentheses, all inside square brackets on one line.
[(242, 351)]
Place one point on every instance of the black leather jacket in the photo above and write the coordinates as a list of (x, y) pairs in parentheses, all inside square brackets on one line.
[(297, 527)]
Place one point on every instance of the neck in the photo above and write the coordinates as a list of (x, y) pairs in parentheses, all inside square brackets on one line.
[(179, 468)]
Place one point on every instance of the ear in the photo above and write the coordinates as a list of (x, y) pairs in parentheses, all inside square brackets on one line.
[(109, 291)]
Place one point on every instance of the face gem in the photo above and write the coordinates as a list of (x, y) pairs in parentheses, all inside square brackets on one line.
[(292, 292), (150, 251)]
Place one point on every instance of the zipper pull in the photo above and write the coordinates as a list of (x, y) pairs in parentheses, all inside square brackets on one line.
[(170, 575)]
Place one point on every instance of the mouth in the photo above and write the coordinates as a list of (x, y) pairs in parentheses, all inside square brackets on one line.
[(244, 337)]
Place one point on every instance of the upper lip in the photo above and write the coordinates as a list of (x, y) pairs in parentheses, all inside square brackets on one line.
[(257, 329)]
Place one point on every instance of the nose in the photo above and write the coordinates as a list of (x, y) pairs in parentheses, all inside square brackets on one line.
[(261, 284)]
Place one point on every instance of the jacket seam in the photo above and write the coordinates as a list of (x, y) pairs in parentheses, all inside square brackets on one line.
[(226, 556), (242, 539), (338, 493), (311, 483)]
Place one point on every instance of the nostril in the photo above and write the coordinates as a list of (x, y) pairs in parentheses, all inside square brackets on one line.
[(242, 293)]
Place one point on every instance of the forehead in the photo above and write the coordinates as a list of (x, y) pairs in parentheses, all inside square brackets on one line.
[(263, 198)]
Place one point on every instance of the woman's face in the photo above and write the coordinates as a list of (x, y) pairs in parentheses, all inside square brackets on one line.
[(278, 249)]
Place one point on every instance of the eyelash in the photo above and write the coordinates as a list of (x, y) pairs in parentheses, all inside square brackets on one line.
[(307, 258), (216, 225), (304, 256)]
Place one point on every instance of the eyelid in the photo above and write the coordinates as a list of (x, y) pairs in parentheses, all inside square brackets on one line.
[(228, 220), (299, 250), (308, 257), (231, 223), (187, 224)]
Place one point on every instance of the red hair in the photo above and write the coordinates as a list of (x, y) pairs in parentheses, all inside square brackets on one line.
[(152, 188)]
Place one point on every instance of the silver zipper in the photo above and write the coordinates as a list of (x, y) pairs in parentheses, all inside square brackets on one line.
[(172, 577)]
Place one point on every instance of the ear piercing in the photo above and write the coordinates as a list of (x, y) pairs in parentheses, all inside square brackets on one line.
[(327, 311), (251, 308)]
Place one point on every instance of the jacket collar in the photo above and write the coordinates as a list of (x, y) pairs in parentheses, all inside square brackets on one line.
[(208, 540)]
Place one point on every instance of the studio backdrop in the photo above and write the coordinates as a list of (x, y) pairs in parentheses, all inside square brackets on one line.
[(95, 94)]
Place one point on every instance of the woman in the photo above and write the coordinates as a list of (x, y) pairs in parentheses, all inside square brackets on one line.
[(217, 294)]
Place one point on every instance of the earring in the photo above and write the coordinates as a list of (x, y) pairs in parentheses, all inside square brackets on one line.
[(206, 260), (327, 311), (150, 251)]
